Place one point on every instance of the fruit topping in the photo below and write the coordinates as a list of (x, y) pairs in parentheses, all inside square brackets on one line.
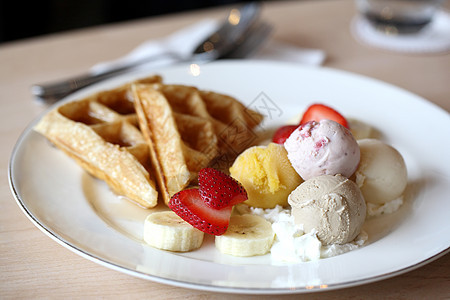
[(189, 205), (283, 133), (167, 231), (317, 112), (219, 190), (247, 235)]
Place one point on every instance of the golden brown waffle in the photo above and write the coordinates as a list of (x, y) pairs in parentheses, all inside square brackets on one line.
[(181, 142), (100, 133), (233, 122), (187, 129), (147, 130)]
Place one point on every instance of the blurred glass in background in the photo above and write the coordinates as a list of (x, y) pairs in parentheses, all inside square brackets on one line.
[(399, 16)]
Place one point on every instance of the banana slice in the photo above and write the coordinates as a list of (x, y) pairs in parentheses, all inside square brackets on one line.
[(247, 235), (167, 231)]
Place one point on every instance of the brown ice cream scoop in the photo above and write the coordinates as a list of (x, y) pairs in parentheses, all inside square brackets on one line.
[(332, 205)]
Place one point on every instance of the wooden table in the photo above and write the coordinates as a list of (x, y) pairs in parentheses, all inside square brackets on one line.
[(32, 265)]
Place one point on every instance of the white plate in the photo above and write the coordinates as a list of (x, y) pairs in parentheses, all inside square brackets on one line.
[(81, 213)]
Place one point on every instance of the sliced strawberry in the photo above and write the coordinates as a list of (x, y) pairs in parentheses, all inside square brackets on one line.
[(317, 112), (189, 205), (219, 190), (283, 133)]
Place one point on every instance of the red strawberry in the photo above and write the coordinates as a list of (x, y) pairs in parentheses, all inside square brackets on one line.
[(189, 205), (283, 133), (219, 190), (317, 112)]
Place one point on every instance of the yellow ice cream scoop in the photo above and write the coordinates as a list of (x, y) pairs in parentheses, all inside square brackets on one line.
[(266, 174)]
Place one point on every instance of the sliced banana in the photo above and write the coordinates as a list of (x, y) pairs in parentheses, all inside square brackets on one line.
[(167, 231), (247, 235)]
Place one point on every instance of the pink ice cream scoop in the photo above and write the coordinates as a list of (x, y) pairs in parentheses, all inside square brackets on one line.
[(322, 148)]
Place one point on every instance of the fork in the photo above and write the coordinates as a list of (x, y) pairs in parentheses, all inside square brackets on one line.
[(250, 40)]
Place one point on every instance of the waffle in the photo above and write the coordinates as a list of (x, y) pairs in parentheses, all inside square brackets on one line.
[(181, 143), (232, 121), (146, 131), (101, 134)]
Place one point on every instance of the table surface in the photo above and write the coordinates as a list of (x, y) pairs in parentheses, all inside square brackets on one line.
[(33, 265)]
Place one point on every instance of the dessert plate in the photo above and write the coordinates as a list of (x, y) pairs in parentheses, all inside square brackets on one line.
[(80, 212)]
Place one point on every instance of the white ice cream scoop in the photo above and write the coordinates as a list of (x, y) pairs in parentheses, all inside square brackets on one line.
[(381, 174)]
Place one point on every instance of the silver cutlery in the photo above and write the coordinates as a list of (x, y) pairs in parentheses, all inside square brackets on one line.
[(238, 36)]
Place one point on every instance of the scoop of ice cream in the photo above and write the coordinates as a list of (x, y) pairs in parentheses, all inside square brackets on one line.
[(333, 205), (381, 174), (319, 148), (266, 174)]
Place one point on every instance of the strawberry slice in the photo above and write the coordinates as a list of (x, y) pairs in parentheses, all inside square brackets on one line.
[(283, 133), (317, 112), (219, 190), (189, 205)]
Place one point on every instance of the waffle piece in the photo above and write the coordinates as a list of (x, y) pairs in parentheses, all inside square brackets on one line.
[(101, 134), (147, 130), (233, 122), (181, 140)]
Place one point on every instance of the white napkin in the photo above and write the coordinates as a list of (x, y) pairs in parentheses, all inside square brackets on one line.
[(187, 39), (432, 39)]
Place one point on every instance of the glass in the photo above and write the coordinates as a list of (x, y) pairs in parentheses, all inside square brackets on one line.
[(398, 16)]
